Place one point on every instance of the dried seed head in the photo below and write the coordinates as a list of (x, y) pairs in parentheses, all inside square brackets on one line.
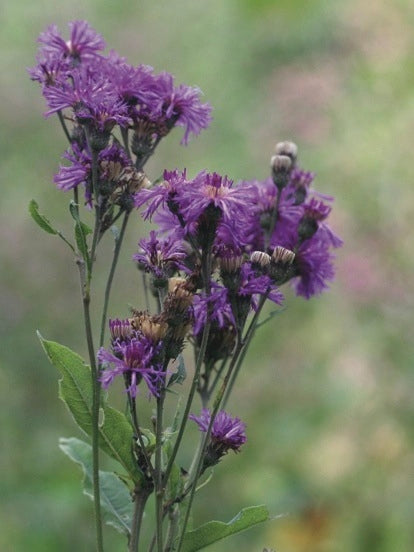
[(174, 283), (153, 327)]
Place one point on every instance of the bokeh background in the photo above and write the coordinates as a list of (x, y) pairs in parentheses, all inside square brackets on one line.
[(327, 390)]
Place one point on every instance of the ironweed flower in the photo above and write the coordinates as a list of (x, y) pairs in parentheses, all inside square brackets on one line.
[(84, 42), (161, 257), (135, 357), (227, 433)]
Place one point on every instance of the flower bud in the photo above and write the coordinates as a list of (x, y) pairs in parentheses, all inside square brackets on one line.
[(283, 255), (281, 166), (280, 269), (230, 264), (120, 329), (287, 148), (260, 260)]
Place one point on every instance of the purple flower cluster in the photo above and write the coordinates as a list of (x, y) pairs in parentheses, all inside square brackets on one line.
[(104, 90), (134, 356)]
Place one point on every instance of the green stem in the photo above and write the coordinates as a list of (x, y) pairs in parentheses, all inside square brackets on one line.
[(159, 493), (203, 448), (134, 417), (172, 528), (245, 344), (64, 127), (140, 500), (96, 198), (117, 249), (125, 139), (85, 284)]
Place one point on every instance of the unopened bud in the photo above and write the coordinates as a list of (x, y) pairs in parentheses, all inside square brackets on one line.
[(260, 259), (281, 269), (230, 264), (283, 255), (281, 166), (120, 329), (287, 148)]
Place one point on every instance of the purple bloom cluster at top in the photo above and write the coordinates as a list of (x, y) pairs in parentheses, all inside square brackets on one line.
[(104, 90), (226, 432)]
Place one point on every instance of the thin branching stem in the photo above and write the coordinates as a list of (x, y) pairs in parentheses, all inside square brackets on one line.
[(140, 500), (159, 492), (117, 249), (85, 285), (199, 464), (245, 345), (64, 127)]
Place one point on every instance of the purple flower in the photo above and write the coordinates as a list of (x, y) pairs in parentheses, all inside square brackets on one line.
[(313, 267), (251, 284), (227, 433), (92, 99), (80, 170), (221, 314), (212, 190), (162, 196), (162, 257), (180, 106), (136, 360), (83, 43)]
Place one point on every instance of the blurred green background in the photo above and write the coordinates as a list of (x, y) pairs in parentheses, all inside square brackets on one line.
[(327, 390)]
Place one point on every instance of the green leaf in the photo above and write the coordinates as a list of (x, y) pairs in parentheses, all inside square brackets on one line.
[(214, 531), (117, 506), (75, 389), (41, 220), (44, 223), (180, 375)]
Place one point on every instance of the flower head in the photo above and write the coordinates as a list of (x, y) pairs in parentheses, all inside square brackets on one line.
[(227, 433), (161, 257), (84, 42), (135, 358)]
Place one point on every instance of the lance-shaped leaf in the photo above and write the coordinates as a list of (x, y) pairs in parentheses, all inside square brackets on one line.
[(116, 500), (44, 223), (214, 531), (75, 389)]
